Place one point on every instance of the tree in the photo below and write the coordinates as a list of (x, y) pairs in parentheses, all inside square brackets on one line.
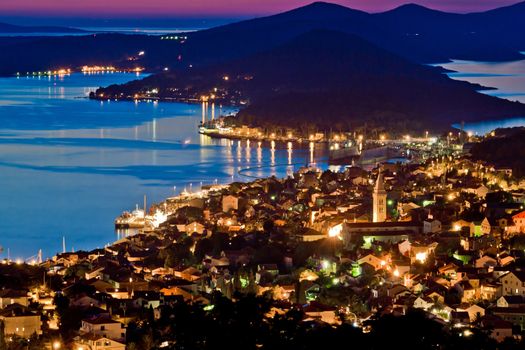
[(203, 247), (3, 345)]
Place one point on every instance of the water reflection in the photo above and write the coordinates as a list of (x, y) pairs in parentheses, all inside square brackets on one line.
[(507, 77)]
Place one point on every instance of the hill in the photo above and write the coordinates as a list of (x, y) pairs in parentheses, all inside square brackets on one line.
[(505, 149), (11, 28), (328, 80), (412, 31), (419, 34)]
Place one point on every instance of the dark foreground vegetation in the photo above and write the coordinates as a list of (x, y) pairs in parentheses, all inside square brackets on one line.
[(505, 149), (246, 324)]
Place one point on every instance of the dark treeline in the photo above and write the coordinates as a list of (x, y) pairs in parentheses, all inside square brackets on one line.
[(244, 325), (505, 149)]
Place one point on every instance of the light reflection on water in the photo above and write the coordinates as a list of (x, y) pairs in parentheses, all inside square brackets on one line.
[(69, 166)]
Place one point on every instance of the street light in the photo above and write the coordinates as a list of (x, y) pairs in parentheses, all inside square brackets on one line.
[(56, 345)]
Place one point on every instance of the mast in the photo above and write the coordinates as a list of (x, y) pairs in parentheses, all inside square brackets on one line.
[(145, 206)]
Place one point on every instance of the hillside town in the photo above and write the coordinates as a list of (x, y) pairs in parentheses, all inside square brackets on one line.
[(444, 236)]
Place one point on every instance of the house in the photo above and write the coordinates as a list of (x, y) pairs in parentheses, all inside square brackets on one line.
[(513, 283), (476, 228), (190, 274), (230, 202), (505, 259), (420, 253), (485, 262), (519, 222), (511, 301), (424, 303), (266, 270), (397, 291), (431, 226), (147, 299), (94, 273), (404, 247), (489, 291), (437, 295), (459, 317), (11, 296), (404, 209), (498, 328), (19, 320), (97, 342), (85, 302), (374, 261), (182, 291), (194, 227), (474, 311), (481, 227), (103, 326), (470, 292), (400, 267), (118, 293), (360, 181), (514, 315), (449, 270), (310, 235), (66, 259), (324, 313), (480, 191)]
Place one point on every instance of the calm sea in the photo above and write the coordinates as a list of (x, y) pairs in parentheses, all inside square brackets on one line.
[(507, 77)]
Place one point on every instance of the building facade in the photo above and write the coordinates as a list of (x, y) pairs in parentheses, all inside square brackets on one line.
[(379, 200)]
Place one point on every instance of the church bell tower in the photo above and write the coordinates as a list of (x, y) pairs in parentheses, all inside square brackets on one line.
[(379, 199)]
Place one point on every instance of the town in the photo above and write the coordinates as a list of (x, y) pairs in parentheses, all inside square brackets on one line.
[(443, 236)]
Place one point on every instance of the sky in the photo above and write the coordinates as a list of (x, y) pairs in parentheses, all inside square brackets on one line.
[(212, 8)]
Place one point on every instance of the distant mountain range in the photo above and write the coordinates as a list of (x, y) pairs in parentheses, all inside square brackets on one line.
[(15, 29), (411, 31), (330, 79), (321, 64)]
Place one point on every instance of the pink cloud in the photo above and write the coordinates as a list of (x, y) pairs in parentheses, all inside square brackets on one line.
[(218, 7)]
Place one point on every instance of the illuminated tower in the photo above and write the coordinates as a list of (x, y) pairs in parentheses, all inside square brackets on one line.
[(379, 199)]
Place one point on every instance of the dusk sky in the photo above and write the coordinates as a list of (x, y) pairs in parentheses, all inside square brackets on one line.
[(212, 8)]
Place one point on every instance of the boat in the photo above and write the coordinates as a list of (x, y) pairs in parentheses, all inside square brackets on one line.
[(134, 219)]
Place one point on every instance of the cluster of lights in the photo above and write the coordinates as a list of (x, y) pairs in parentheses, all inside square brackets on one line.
[(98, 69), (90, 69), (335, 231), (421, 257), (174, 37), (59, 72)]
